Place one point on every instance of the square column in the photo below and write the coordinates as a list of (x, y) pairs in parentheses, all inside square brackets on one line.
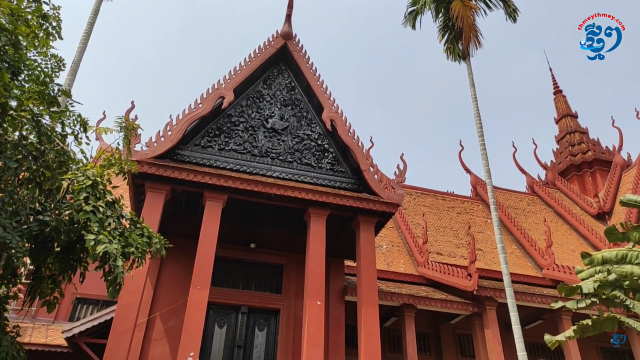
[(369, 347), (336, 321), (195, 314), (479, 341), (134, 302), (570, 348), (409, 343), (313, 335), (634, 341), (492, 329), (448, 341)]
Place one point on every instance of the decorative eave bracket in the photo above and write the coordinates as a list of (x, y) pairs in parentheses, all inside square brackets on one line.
[(545, 259), (538, 187), (464, 279)]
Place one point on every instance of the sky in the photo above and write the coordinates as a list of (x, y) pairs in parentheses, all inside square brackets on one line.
[(394, 84)]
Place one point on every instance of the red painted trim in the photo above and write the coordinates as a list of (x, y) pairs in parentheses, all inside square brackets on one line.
[(420, 301), (172, 132), (518, 278), (391, 275), (443, 273), (438, 192), (211, 178)]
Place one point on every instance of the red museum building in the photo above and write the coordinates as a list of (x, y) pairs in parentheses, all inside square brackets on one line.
[(288, 242)]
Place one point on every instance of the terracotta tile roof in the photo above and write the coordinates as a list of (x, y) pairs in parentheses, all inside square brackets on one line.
[(530, 211), (447, 220), (573, 206), (123, 191), (40, 334), (392, 252), (406, 289), (626, 183)]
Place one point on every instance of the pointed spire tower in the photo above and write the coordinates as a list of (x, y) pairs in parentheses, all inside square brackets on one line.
[(577, 151)]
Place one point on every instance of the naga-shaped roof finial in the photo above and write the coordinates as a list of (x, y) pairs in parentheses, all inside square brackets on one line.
[(464, 166), (102, 145), (287, 29), (620, 137)]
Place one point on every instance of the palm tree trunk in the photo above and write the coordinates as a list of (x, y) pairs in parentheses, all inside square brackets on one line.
[(82, 47), (497, 229)]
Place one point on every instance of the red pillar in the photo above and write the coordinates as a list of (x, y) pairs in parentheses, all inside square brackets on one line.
[(134, 302), (336, 314), (570, 348), (194, 316), (479, 341), (409, 343), (492, 329), (634, 341), (448, 341), (314, 285), (369, 347)]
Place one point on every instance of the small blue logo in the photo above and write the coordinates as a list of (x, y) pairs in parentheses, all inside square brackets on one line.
[(618, 338), (594, 41)]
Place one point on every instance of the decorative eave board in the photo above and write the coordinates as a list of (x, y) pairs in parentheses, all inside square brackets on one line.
[(354, 167)]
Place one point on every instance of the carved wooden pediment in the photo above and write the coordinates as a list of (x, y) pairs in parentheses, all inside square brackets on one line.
[(272, 130)]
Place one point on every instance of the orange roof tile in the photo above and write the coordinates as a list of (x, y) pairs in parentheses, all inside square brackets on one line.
[(447, 219), (626, 183), (530, 211), (40, 334)]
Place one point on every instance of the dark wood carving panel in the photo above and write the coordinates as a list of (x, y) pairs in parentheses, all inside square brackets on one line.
[(272, 131)]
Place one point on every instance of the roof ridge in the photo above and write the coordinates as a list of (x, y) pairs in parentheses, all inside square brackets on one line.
[(543, 258), (574, 219)]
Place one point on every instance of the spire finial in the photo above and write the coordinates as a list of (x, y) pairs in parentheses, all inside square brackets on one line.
[(556, 87), (287, 29)]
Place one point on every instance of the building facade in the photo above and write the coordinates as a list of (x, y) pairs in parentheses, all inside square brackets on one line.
[(288, 242)]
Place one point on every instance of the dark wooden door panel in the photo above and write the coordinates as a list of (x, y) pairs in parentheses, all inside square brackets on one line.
[(233, 333)]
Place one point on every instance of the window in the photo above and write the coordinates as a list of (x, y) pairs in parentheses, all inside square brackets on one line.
[(351, 336), (611, 353), (394, 341), (540, 351), (247, 275), (465, 346), (423, 341), (83, 308)]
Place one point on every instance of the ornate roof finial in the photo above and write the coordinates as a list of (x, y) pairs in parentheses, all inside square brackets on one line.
[(556, 87), (287, 29)]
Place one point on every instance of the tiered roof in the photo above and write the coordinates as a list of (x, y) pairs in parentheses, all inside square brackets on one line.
[(442, 239), (448, 238)]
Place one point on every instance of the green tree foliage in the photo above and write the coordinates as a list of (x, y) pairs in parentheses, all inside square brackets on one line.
[(610, 280), (57, 208)]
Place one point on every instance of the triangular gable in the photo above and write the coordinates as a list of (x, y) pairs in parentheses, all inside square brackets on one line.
[(224, 93), (273, 130)]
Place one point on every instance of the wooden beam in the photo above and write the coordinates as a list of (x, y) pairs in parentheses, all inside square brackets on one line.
[(86, 349)]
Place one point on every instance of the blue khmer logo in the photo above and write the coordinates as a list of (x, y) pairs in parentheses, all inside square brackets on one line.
[(594, 42), (618, 338)]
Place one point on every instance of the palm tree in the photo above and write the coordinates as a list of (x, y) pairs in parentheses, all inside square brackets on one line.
[(82, 48), (460, 35)]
